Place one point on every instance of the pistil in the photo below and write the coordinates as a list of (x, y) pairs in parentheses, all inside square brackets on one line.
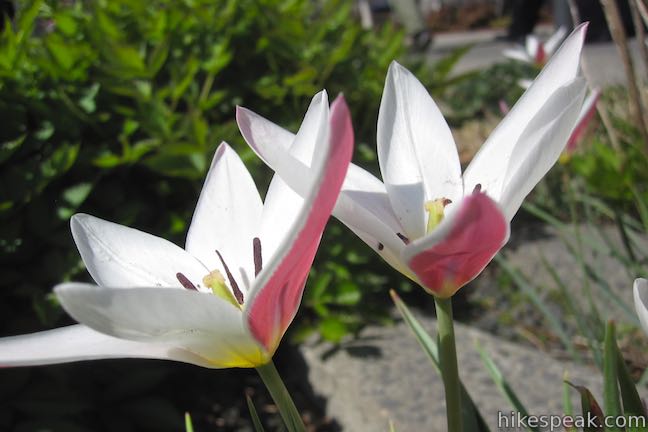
[(435, 209)]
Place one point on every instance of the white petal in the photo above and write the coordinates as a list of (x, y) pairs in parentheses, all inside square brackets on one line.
[(363, 202), (517, 54), (119, 256), (363, 205), (490, 164), (540, 145), (391, 252), (640, 289), (201, 323), (78, 342), (532, 45), (282, 203), (417, 154), (552, 43), (227, 217)]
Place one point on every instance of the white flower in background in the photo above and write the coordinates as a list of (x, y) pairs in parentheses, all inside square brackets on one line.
[(536, 51)]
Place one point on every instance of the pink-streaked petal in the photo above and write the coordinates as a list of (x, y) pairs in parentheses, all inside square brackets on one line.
[(540, 145), (417, 154), (363, 202), (78, 343), (282, 203), (279, 287), (201, 323), (119, 256), (227, 217), (640, 290), (584, 118), (268, 140), (490, 164), (460, 247)]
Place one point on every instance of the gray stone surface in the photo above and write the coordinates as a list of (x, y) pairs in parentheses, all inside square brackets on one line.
[(608, 279), (384, 375)]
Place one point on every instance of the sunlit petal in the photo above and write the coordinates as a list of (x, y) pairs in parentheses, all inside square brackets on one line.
[(78, 342), (119, 256), (227, 216), (490, 164), (201, 323), (540, 145), (417, 154)]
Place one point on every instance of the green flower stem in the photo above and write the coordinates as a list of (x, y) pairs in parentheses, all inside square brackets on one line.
[(282, 398), (448, 363)]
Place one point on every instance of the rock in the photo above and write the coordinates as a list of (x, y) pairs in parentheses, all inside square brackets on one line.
[(384, 376)]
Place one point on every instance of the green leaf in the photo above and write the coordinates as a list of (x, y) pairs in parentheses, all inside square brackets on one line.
[(332, 329), (348, 294), (87, 102), (568, 409), (256, 421), (472, 418), (633, 407), (611, 399), (158, 57), (188, 424), (7, 148), (502, 384), (590, 407)]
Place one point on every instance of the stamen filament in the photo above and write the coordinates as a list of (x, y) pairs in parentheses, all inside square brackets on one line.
[(235, 288)]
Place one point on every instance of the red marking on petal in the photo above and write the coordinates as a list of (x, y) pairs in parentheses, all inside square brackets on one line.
[(541, 55), (275, 305), (479, 229)]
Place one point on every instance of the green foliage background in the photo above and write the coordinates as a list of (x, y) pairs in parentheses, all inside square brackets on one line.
[(114, 108)]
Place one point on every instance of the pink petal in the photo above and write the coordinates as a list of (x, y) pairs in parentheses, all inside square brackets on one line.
[(461, 246), (272, 308)]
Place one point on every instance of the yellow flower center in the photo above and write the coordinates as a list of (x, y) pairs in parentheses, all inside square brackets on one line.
[(435, 209), (216, 282)]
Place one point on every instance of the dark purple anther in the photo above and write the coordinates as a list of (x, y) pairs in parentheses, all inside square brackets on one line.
[(185, 282), (402, 237), (256, 250)]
